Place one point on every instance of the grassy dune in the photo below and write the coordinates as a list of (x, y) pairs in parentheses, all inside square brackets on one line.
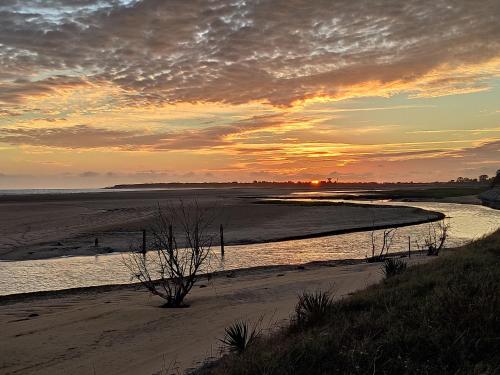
[(441, 317)]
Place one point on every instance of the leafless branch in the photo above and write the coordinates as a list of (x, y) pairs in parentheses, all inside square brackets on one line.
[(435, 239), (170, 271)]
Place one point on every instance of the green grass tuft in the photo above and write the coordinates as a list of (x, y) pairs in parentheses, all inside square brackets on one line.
[(393, 267)]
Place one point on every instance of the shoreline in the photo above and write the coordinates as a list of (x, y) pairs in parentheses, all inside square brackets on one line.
[(248, 271)]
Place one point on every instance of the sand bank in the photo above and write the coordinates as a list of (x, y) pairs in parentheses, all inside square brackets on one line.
[(45, 226)]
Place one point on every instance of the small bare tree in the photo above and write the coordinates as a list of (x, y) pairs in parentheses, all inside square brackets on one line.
[(170, 270), (435, 238), (381, 247)]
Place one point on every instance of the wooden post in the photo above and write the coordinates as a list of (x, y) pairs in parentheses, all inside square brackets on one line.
[(196, 238), (409, 247), (144, 241), (170, 237), (221, 241)]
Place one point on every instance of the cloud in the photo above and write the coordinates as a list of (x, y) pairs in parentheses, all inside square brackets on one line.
[(80, 136), (470, 161), (433, 165), (236, 52), (342, 176), (16, 91), (441, 131), (89, 174), (90, 137), (486, 151)]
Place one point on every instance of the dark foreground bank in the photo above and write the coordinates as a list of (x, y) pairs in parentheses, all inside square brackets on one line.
[(440, 317)]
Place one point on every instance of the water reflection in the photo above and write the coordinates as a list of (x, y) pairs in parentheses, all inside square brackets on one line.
[(467, 222)]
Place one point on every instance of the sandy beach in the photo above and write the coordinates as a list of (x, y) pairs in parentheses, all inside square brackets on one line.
[(124, 331), (45, 226)]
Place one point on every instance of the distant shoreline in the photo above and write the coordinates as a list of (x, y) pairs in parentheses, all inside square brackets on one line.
[(366, 191), (300, 184)]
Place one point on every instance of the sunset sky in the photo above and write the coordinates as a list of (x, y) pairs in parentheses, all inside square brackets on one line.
[(98, 92)]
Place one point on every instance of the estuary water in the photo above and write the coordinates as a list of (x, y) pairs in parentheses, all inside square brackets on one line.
[(467, 222)]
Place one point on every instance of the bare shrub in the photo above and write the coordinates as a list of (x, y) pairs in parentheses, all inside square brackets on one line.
[(381, 244), (170, 270), (435, 238)]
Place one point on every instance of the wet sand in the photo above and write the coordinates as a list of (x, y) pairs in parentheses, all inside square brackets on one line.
[(45, 226)]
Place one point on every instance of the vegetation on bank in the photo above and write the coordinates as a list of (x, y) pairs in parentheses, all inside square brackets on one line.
[(430, 193), (434, 193), (440, 317)]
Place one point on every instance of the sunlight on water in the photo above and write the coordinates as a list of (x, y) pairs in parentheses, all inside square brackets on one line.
[(467, 223)]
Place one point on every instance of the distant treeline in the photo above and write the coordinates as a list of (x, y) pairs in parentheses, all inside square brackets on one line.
[(291, 184)]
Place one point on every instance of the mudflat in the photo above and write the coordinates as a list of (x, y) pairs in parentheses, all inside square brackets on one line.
[(52, 225)]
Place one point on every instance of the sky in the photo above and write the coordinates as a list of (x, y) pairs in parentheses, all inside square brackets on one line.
[(100, 92)]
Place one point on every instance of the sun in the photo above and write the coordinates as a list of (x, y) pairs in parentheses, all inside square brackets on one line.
[(314, 182)]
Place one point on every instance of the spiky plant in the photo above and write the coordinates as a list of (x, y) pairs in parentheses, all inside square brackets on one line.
[(239, 336), (313, 307)]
